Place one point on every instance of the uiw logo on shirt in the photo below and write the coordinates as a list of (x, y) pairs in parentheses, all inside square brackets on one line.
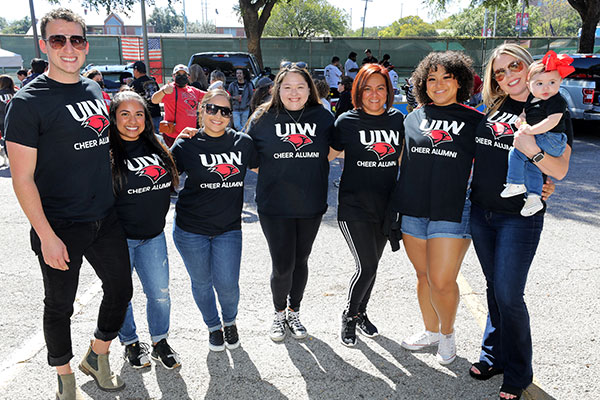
[(440, 131), (148, 166), (298, 135), (380, 141), (91, 114), (223, 164), (501, 125)]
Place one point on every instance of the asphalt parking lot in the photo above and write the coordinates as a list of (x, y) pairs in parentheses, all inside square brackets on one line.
[(562, 295)]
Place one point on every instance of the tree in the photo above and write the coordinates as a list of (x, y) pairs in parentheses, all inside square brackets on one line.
[(124, 6), (166, 20), (469, 22), (255, 14), (372, 31), (306, 18), (557, 18), (409, 26), (20, 26)]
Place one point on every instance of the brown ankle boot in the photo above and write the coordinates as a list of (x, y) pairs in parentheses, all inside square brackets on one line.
[(67, 389), (98, 367)]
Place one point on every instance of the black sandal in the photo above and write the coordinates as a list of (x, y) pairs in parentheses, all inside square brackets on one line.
[(514, 391), (486, 371)]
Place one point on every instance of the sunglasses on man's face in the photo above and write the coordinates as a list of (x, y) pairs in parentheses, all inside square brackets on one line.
[(212, 109), (59, 41), (289, 64), (513, 67)]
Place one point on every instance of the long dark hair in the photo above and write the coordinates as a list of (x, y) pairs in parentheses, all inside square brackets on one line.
[(117, 148), (7, 83)]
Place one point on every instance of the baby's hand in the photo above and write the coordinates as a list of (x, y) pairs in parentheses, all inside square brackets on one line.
[(525, 128)]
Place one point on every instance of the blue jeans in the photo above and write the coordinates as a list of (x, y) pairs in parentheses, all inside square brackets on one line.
[(149, 258), (522, 171), (213, 263), (505, 245), (156, 123), (240, 118)]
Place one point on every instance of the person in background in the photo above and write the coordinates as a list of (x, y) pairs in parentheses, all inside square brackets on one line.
[(350, 66), (38, 67), (217, 80), (7, 91), (333, 74), (144, 175), (385, 60), (369, 59), (241, 91), (146, 86), (345, 101), (21, 76), (96, 76), (262, 94), (323, 89), (393, 77), (181, 102), (198, 77)]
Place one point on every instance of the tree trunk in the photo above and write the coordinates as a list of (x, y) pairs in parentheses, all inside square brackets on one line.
[(254, 24), (589, 11)]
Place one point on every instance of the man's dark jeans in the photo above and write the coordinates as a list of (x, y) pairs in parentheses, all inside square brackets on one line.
[(104, 245)]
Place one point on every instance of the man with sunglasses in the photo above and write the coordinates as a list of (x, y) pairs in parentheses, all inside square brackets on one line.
[(181, 102), (61, 173)]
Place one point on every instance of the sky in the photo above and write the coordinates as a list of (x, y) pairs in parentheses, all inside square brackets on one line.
[(379, 12)]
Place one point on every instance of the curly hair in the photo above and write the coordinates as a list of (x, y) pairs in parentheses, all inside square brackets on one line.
[(456, 63)]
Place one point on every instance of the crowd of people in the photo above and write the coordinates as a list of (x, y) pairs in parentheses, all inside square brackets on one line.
[(434, 179)]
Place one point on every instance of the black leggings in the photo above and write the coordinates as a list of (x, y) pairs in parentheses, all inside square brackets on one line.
[(366, 242), (290, 242)]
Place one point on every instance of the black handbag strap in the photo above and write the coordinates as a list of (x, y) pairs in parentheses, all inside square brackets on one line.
[(175, 117)]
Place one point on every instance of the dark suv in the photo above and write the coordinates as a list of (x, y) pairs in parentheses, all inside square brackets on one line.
[(581, 89), (228, 62)]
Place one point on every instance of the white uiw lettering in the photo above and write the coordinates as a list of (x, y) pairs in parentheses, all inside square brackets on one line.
[(294, 128), (504, 117), (142, 162), (87, 109), (209, 160), (376, 136), (450, 127)]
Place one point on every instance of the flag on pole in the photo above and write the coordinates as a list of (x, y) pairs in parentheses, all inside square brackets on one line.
[(133, 50)]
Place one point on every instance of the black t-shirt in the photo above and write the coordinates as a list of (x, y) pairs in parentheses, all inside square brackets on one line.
[(369, 60), (146, 87), (436, 162), (212, 198), (293, 175), (494, 139), (68, 125), (537, 110), (143, 201), (372, 145), (5, 96)]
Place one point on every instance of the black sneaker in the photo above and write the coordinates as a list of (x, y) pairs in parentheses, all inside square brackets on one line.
[(232, 339), (164, 353), (348, 334), (215, 340), (137, 355), (365, 326)]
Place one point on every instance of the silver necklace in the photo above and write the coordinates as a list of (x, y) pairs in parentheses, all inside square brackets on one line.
[(290, 115)]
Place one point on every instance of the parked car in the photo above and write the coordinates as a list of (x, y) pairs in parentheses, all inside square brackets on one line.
[(581, 89), (228, 62)]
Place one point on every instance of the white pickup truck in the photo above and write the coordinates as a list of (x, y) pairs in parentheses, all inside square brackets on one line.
[(581, 89)]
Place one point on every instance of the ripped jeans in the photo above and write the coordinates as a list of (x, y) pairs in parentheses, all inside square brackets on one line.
[(149, 258)]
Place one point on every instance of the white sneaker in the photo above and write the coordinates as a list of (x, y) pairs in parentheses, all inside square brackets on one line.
[(446, 349), (533, 204), (513, 189), (421, 340), (296, 328), (278, 331)]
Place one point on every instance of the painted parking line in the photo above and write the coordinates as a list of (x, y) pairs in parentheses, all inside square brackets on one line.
[(32, 346)]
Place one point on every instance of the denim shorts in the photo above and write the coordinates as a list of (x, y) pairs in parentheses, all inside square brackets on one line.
[(423, 228)]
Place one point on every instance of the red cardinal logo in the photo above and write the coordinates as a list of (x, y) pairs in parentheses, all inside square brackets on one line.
[(97, 123), (382, 149), (297, 140), (225, 170), (192, 103), (438, 136), (500, 129), (152, 172)]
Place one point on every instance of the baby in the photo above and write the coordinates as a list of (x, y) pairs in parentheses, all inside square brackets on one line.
[(543, 116)]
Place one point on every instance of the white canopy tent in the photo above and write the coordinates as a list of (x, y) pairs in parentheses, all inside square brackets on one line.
[(8, 59)]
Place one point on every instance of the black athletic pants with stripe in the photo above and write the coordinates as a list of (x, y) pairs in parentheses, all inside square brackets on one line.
[(366, 242)]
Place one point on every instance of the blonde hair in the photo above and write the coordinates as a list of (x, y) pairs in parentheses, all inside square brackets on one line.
[(493, 96)]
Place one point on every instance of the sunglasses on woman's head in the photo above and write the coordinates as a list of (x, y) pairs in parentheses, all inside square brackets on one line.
[(289, 64), (513, 67), (212, 109), (59, 41)]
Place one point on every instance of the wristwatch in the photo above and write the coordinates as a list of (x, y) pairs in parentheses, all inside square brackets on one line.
[(538, 157)]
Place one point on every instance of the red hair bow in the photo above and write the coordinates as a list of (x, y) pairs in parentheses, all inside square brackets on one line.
[(560, 63)]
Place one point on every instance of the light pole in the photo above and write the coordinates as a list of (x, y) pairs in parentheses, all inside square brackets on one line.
[(36, 42), (365, 17), (145, 35)]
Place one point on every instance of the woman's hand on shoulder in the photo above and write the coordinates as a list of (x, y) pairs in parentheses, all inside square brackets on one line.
[(187, 133)]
